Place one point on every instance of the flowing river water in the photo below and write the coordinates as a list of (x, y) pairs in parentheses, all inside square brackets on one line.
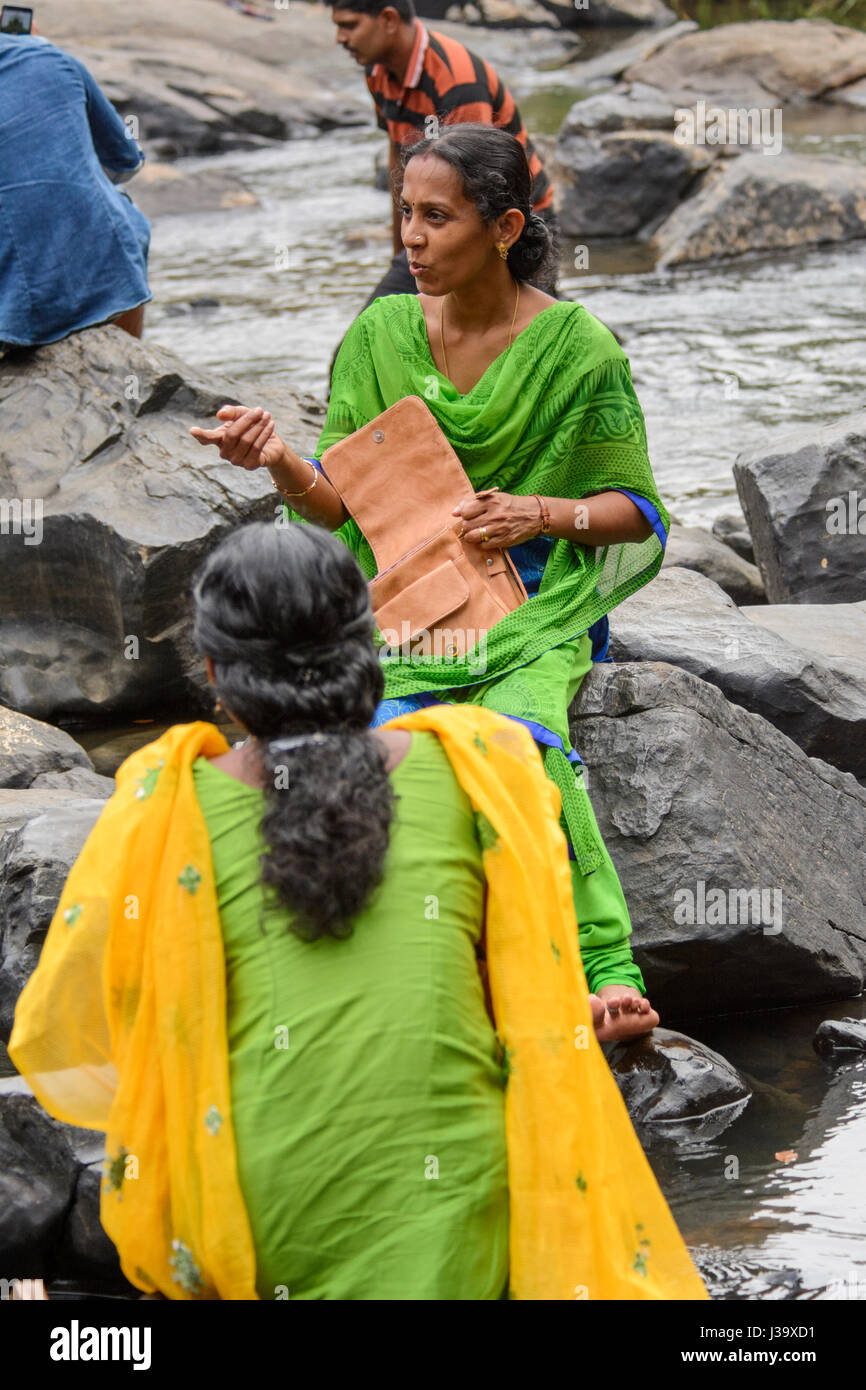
[(723, 359)]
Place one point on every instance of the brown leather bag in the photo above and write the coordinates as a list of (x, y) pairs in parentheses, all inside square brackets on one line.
[(400, 480)]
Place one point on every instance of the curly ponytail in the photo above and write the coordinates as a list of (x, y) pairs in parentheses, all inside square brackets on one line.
[(284, 614)]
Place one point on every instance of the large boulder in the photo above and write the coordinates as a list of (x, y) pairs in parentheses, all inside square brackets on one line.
[(693, 548), (41, 835), (805, 502), (199, 78), (718, 826), (119, 505), (835, 633), (38, 1173), (614, 184), (757, 204), (687, 620), (613, 62), (677, 1086), (591, 14), (761, 63), (30, 749)]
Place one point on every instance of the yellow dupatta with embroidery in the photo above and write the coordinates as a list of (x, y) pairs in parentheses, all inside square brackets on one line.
[(122, 1027)]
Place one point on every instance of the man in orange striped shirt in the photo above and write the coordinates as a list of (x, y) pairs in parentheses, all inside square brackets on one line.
[(420, 80)]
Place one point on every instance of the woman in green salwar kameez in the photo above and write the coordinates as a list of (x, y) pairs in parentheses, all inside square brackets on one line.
[(552, 438)]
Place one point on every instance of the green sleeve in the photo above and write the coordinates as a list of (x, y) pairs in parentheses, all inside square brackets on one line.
[(610, 964)]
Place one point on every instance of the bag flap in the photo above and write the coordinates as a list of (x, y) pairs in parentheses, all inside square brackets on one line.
[(422, 605)]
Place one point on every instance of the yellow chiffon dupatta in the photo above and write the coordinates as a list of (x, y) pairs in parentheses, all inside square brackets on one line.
[(122, 1028)]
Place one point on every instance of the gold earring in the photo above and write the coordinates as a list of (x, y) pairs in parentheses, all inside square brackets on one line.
[(218, 706), (502, 249)]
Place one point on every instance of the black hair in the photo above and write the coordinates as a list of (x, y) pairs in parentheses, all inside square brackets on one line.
[(495, 174), (283, 611), (404, 8)]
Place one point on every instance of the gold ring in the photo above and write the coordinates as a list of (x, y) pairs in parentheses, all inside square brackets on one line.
[(484, 535)]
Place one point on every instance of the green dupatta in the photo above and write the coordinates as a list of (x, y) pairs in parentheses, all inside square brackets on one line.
[(555, 414)]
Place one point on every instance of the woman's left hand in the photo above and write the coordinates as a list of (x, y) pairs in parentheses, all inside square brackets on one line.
[(503, 518)]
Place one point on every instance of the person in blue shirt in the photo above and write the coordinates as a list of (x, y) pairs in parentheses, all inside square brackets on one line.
[(73, 247)]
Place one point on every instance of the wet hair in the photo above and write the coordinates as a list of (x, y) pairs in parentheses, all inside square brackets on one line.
[(495, 175), (404, 8), (284, 614)]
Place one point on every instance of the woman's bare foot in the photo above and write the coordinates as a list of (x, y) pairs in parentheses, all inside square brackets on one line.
[(620, 1012)]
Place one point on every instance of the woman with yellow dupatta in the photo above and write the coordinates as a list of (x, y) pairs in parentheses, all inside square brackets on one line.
[(263, 983)]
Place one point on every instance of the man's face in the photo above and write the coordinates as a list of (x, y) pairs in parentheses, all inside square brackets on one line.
[(366, 37)]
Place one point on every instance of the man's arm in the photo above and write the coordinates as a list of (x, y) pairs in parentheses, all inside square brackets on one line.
[(395, 179)]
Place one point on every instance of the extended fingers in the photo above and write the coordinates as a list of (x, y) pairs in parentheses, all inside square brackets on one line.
[(207, 436)]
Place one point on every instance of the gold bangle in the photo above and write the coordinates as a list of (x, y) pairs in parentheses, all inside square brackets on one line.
[(283, 493)]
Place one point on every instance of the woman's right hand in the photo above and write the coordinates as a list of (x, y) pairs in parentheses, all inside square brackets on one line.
[(247, 438)]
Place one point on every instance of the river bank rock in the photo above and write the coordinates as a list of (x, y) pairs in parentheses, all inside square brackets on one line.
[(804, 498), (840, 1035), (671, 1081), (752, 203), (614, 61), (200, 78), (614, 184), (717, 824), (161, 189), (30, 749), (85, 1255), (762, 63), (123, 505), (41, 835), (835, 633), (693, 548), (593, 14), (731, 529), (38, 1173), (687, 620)]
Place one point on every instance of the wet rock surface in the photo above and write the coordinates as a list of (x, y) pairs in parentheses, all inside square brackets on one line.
[(95, 615), (835, 633), (807, 693), (668, 1079), (839, 1036), (717, 824), (805, 502)]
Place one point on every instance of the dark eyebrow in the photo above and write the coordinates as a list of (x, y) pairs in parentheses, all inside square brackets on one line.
[(438, 206)]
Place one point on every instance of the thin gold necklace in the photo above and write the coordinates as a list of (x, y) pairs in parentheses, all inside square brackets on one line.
[(442, 335)]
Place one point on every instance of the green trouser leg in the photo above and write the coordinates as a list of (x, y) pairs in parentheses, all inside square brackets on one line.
[(535, 692)]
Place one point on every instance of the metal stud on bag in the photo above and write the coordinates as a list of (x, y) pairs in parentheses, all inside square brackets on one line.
[(379, 436)]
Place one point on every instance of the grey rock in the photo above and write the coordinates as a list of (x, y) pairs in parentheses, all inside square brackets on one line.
[(752, 203), (835, 633), (708, 811), (79, 779), (733, 531), (676, 1083), (85, 1253), (693, 548), (624, 108), (164, 189), (761, 63), (614, 61), (852, 95), (38, 1172), (30, 749), (836, 1035), (685, 619), (615, 184), (94, 624), (40, 839), (593, 14), (805, 501)]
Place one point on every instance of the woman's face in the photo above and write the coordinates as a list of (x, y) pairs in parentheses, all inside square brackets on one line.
[(448, 244)]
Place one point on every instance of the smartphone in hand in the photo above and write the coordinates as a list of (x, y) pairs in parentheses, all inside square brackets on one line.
[(15, 19)]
